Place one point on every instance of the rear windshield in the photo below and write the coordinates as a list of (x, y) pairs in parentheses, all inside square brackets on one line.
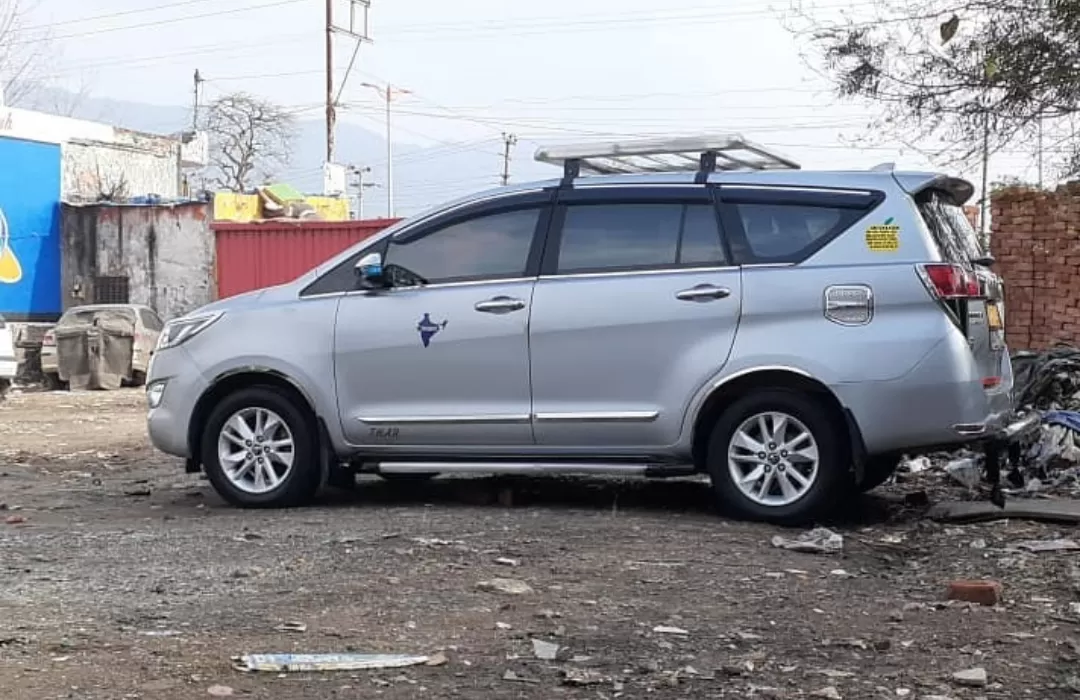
[(73, 318), (955, 236)]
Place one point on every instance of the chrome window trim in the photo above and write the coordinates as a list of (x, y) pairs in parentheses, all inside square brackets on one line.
[(634, 273)]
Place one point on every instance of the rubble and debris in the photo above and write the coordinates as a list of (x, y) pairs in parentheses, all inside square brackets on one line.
[(583, 677), (979, 592), (828, 692), (15, 519), (820, 540), (298, 663), (437, 659), (515, 678), (220, 691), (507, 561), (916, 465), (971, 678), (665, 629), (291, 627), (506, 586), (1039, 546)]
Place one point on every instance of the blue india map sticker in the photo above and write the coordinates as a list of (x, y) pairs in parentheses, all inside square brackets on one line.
[(428, 329)]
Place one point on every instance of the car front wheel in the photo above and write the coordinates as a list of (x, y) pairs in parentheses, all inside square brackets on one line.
[(259, 450), (778, 455)]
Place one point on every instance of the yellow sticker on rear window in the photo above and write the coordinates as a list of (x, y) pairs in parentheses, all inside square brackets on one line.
[(883, 238)]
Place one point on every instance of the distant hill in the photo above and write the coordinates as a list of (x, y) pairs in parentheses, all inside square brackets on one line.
[(423, 176)]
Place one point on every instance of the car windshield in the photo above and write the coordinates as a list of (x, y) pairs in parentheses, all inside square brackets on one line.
[(79, 316)]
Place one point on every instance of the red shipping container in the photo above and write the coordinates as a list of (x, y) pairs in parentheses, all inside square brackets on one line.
[(255, 255)]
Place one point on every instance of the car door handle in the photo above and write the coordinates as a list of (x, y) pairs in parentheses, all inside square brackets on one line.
[(703, 292), (500, 305)]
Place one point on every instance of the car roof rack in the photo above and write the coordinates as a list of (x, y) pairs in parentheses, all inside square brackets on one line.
[(701, 154)]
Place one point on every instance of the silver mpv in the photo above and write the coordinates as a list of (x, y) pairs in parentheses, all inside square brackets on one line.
[(665, 308)]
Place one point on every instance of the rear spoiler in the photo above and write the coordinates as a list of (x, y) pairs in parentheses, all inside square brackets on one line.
[(914, 183)]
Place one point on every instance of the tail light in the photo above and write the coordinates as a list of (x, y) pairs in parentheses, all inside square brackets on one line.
[(49, 340), (946, 281)]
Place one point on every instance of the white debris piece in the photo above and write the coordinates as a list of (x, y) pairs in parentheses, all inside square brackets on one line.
[(545, 651), (966, 471), (820, 540), (971, 678)]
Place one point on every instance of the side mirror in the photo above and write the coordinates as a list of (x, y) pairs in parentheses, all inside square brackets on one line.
[(369, 271)]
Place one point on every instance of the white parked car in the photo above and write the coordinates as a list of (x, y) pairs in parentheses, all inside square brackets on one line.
[(7, 356), (147, 326)]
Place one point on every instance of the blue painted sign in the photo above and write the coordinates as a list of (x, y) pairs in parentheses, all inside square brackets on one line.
[(29, 230)]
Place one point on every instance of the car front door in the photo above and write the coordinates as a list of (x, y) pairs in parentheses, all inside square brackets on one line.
[(636, 308), (441, 357)]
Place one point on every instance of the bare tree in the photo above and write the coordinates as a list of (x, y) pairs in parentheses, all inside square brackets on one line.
[(967, 73), (22, 49), (249, 139)]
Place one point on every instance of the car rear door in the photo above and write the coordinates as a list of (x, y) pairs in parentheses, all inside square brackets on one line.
[(982, 319), (635, 309)]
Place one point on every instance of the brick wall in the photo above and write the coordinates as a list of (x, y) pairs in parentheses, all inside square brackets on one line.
[(1035, 237)]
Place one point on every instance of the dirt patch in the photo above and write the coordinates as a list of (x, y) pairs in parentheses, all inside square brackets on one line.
[(129, 578)]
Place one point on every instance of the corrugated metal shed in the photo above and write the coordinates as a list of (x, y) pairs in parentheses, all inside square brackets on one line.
[(256, 255)]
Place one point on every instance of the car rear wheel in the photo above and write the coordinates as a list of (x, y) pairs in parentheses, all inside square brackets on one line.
[(877, 471), (259, 450), (779, 456)]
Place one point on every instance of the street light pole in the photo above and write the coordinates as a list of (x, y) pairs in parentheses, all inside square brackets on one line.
[(387, 93)]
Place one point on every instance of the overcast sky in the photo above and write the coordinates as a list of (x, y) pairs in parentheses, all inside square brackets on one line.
[(553, 71)]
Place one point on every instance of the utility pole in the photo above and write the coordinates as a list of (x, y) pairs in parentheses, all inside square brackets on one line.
[(509, 141), (358, 30), (331, 112), (387, 93), (195, 106), (360, 185), (984, 205)]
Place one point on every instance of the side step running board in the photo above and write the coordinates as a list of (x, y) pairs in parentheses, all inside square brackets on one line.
[(613, 469)]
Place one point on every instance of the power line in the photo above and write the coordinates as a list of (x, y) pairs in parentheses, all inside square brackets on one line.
[(111, 15), (158, 23)]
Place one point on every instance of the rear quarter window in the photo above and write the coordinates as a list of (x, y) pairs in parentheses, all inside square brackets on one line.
[(784, 227)]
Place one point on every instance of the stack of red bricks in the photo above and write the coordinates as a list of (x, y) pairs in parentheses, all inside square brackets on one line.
[(1035, 238)]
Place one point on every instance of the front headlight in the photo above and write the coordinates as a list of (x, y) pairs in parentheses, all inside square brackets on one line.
[(181, 329)]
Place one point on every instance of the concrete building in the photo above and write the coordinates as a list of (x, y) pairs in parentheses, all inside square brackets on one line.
[(46, 160)]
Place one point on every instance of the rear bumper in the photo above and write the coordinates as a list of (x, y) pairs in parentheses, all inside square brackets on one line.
[(1000, 429), (941, 403)]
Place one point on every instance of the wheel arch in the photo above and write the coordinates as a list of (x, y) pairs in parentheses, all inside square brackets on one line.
[(739, 384), (235, 380)]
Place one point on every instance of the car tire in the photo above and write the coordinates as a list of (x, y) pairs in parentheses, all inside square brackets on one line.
[(798, 476), (231, 446), (877, 471)]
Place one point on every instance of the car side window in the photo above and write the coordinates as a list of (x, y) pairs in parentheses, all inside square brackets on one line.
[(632, 236), (787, 233), (486, 247)]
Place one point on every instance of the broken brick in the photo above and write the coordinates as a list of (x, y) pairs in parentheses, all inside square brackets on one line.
[(979, 592)]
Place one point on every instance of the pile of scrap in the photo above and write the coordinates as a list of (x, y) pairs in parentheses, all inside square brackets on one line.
[(1045, 484), (276, 203)]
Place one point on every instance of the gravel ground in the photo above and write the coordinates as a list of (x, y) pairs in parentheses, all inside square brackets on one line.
[(122, 577)]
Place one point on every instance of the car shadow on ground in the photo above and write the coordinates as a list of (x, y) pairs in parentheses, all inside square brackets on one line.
[(683, 495)]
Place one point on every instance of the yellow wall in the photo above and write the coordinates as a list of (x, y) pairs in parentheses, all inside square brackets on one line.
[(229, 206)]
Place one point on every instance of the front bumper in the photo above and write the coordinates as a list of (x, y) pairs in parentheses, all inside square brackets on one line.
[(181, 383)]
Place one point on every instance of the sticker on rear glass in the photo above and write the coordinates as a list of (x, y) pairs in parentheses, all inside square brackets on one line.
[(883, 238)]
